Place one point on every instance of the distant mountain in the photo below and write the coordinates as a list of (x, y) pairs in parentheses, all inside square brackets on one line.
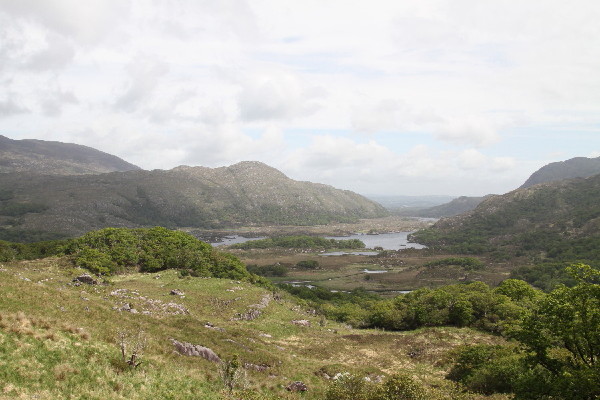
[(56, 158), (579, 167), (242, 194), (396, 203), (559, 220), (456, 206)]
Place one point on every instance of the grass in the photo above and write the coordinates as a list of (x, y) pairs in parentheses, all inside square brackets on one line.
[(58, 340), (406, 269)]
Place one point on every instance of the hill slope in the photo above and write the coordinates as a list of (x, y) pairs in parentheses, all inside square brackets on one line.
[(454, 207), (62, 339), (40, 156), (578, 167), (558, 220), (245, 193)]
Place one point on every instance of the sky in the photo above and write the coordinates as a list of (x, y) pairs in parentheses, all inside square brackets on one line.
[(453, 97)]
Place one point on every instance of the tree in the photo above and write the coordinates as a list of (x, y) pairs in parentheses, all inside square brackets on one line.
[(562, 333)]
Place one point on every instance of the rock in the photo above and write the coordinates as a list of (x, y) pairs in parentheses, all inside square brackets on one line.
[(85, 278), (249, 315), (297, 387), (209, 325), (176, 292), (301, 322), (188, 349), (259, 368), (129, 308)]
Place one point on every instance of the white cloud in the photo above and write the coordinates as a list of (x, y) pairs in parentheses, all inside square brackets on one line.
[(84, 21), (469, 130), (9, 107), (471, 159), (276, 95), (143, 78), (447, 90)]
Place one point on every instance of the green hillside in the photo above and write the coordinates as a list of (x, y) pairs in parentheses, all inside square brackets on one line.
[(195, 326), (57, 158), (37, 207), (553, 221), (578, 167)]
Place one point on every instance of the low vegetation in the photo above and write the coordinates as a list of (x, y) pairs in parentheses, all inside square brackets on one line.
[(300, 242), (466, 263), (113, 250), (461, 341)]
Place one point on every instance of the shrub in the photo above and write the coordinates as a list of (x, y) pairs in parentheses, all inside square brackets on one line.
[(110, 250), (400, 387), (347, 386), (487, 369), (308, 264)]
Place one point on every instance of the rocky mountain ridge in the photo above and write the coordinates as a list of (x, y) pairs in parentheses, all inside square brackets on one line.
[(578, 167), (56, 158), (554, 219), (246, 193)]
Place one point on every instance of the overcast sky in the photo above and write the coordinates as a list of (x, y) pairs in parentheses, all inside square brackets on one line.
[(458, 97)]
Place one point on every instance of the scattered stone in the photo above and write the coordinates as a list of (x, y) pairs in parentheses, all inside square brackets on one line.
[(85, 278), (264, 302), (209, 325), (128, 308), (188, 349), (265, 335), (301, 322), (176, 292), (297, 387), (259, 368), (248, 315)]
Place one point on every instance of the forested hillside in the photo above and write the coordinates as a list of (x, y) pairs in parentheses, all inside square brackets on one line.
[(558, 221)]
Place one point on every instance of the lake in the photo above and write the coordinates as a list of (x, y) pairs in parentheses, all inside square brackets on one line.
[(389, 241), (234, 239)]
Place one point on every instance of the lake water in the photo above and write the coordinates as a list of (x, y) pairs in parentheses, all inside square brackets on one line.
[(234, 239), (353, 253), (389, 241)]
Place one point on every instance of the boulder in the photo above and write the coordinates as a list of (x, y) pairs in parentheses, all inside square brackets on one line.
[(195, 350), (85, 278), (301, 322), (297, 387)]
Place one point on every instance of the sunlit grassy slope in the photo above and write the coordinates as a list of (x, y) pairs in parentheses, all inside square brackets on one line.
[(60, 341)]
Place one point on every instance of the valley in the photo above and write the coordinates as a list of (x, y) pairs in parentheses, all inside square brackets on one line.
[(306, 291)]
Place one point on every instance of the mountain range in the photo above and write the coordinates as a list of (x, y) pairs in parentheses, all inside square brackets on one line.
[(578, 167), (558, 220), (35, 206), (56, 158)]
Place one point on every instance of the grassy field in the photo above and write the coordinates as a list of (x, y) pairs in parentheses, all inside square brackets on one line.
[(60, 340), (405, 269)]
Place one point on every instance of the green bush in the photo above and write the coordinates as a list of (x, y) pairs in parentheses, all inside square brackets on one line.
[(268, 270), (347, 386), (113, 250), (300, 242), (488, 369), (466, 263), (400, 387), (308, 264)]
